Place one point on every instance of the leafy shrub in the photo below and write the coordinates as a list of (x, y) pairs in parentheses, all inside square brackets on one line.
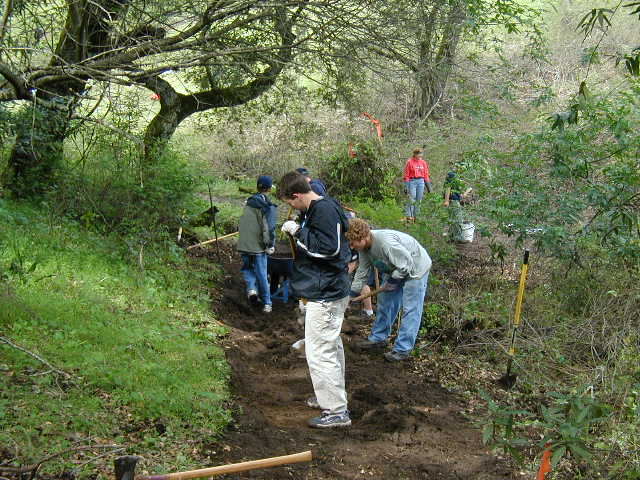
[(116, 193), (366, 175)]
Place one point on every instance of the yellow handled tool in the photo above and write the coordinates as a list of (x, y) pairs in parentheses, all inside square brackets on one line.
[(508, 380)]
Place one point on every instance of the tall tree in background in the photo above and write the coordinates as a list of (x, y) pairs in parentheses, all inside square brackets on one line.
[(234, 49), (421, 40)]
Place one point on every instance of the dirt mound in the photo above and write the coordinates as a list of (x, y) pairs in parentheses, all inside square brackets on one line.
[(405, 425)]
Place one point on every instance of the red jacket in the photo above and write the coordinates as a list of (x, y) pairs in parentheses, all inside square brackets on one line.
[(416, 168)]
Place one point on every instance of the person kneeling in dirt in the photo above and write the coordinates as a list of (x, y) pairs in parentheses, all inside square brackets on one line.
[(256, 241), (405, 266), (320, 276)]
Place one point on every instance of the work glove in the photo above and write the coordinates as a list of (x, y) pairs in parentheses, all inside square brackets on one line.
[(290, 227), (270, 250), (392, 284)]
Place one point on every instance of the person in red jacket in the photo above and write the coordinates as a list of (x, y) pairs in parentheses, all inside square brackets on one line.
[(416, 180)]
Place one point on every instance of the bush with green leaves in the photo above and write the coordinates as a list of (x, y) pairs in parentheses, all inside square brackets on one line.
[(118, 192), (367, 174), (567, 425), (575, 180)]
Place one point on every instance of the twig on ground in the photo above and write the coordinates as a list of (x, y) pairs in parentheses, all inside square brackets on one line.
[(93, 459), (36, 356), (33, 468)]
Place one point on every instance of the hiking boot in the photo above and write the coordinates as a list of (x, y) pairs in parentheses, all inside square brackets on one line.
[(252, 295), (331, 420), (369, 345), (267, 309), (394, 356), (312, 402)]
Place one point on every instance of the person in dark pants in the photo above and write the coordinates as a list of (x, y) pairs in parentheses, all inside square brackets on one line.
[(320, 278)]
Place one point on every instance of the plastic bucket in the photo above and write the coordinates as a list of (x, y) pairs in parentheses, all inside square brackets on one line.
[(468, 229)]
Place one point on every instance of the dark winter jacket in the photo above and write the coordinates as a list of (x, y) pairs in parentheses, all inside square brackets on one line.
[(322, 253), (257, 225)]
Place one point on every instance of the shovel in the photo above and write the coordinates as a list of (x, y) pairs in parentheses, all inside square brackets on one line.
[(508, 380)]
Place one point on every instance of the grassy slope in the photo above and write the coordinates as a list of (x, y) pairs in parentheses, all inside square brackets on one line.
[(140, 345)]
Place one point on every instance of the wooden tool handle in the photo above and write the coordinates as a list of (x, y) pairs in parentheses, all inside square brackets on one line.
[(370, 294), (292, 244), (212, 240), (233, 468)]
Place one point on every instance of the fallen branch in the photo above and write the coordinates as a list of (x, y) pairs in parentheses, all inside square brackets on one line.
[(34, 467), (36, 356), (93, 459)]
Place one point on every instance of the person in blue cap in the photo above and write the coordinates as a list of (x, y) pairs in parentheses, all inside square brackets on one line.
[(316, 184), (256, 241)]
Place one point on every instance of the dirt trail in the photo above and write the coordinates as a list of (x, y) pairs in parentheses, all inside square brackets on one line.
[(405, 425)]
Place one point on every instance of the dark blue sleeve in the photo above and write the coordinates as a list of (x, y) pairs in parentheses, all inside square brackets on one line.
[(322, 235)]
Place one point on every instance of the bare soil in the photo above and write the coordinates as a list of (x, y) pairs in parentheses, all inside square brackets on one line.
[(405, 424)]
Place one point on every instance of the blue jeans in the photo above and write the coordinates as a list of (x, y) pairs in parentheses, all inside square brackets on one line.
[(411, 297), (415, 190), (254, 271)]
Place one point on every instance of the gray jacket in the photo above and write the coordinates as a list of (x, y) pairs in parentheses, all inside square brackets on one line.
[(395, 253), (257, 232)]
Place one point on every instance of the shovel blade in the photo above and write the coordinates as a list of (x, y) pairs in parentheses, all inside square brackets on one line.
[(508, 381)]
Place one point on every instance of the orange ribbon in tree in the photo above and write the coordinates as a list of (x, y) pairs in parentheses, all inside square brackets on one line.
[(375, 122)]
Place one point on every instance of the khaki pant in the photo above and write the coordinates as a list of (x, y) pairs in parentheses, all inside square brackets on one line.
[(325, 354)]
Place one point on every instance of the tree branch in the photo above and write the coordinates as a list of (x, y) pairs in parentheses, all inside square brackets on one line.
[(34, 467), (8, 10), (37, 357), (15, 80)]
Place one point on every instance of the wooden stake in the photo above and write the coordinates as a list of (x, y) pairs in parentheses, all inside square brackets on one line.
[(213, 240), (233, 468)]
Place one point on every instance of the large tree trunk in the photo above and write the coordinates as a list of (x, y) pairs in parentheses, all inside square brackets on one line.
[(38, 149), (432, 73), (36, 153)]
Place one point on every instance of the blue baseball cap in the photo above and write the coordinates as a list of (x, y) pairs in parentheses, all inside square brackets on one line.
[(264, 182), (303, 171)]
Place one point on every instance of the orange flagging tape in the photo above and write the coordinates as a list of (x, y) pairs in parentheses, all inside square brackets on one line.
[(545, 465)]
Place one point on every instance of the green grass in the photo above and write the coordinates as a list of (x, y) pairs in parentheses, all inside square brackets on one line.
[(140, 344)]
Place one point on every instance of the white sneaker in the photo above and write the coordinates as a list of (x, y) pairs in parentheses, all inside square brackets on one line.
[(252, 295), (267, 309)]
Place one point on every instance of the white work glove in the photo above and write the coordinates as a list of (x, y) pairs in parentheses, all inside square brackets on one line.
[(290, 227), (270, 250)]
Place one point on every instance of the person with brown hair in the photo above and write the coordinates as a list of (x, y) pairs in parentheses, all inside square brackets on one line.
[(405, 266), (320, 277), (416, 180)]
